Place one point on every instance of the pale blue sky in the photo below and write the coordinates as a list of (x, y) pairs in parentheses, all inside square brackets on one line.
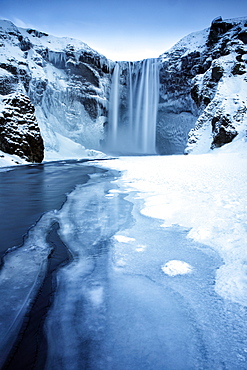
[(121, 30)]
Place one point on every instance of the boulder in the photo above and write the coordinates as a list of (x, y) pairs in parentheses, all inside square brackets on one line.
[(239, 69), (223, 131), (19, 130)]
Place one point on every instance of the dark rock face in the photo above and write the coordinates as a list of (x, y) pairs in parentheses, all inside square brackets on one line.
[(25, 44), (176, 104), (19, 130), (202, 95), (17, 72), (36, 33), (217, 29), (224, 131), (239, 69), (95, 61), (243, 36), (83, 72), (7, 83), (217, 73)]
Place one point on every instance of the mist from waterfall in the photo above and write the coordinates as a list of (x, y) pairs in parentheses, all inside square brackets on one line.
[(133, 107)]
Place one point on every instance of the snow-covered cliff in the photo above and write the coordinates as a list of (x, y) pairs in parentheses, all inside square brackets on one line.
[(204, 89), (19, 130), (66, 81)]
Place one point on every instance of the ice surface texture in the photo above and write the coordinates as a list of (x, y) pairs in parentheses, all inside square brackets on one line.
[(142, 292)]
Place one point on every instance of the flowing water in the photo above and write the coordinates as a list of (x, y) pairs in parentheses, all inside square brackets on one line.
[(133, 108)]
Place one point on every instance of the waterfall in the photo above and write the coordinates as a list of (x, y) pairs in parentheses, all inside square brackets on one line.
[(114, 108), (133, 107)]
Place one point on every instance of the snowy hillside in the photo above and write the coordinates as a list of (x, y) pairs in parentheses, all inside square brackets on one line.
[(65, 81), (205, 84)]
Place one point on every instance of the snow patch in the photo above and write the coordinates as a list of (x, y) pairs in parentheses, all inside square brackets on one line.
[(97, 296), (141, 248), (123, 239), (68, 149), (188, 44), (176, 267), (7, 160)]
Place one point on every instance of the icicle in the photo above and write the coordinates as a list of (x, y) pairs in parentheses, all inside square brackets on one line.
[(58, 59)]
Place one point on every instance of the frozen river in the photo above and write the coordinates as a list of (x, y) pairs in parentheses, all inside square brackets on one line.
[(101, 282)]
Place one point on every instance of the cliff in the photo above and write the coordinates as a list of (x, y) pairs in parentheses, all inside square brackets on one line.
[(203, 100), (65, 81), (66, 87)]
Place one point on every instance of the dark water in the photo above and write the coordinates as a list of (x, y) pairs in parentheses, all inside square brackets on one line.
[(30, 348), (27, 192)]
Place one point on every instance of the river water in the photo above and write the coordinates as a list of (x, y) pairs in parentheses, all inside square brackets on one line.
[(27, 192), (86, 287)]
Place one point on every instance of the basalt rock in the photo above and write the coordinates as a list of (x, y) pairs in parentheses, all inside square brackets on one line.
[(239, 69), (217, 29), (36, 33), (84, 72), (243, 36), (217, 73), (19, 130), (223, 131)]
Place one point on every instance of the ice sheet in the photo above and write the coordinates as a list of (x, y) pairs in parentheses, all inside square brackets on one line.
[(205, 193)]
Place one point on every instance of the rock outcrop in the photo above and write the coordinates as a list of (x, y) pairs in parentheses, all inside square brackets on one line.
[(66, 81), (203, 78), (19, 130)]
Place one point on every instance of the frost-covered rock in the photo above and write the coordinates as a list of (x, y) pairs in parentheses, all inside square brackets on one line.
[(178, 111), (66, 80), (19, 130), (224, 86), (204, 78)]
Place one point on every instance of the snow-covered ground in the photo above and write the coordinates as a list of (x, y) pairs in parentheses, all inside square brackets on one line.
[(205, 193), (66, 149), (7, 160), (159, 264)]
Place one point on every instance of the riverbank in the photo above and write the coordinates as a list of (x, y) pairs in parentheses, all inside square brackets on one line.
[(158, 251)]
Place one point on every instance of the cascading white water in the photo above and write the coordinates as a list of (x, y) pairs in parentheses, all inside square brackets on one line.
[(133, 108), (114, 108)]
